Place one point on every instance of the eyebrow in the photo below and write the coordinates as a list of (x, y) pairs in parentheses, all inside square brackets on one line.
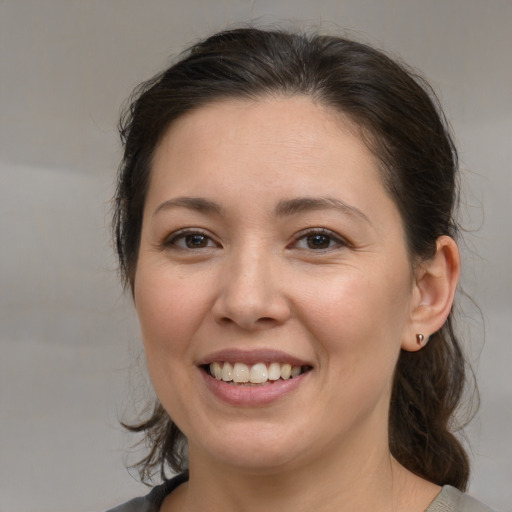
[(193, 203), (305, 204), (284, 208)]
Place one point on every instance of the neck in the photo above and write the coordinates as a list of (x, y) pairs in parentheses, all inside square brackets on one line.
[(303, 489)]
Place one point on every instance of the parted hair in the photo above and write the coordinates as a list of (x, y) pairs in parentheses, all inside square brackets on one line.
[(399, 118)]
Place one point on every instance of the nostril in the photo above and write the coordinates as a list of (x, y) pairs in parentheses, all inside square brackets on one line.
[(225, 320), (250, 310)]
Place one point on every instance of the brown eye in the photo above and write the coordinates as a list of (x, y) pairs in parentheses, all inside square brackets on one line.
[(190, 241), (196, 241), (318, 241)]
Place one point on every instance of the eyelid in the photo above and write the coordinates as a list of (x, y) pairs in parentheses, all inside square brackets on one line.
[(170, 240), (341, 241)]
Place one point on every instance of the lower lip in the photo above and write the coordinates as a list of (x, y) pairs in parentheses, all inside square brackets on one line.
[(253, 396)]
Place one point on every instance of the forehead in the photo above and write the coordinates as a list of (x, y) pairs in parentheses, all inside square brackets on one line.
[(292, 136), (272, 115)]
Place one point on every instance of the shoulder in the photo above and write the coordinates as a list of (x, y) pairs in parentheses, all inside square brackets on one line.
[(152, 501), (451, 499)]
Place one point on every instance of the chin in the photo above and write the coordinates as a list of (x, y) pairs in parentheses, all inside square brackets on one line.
[(255, 450)]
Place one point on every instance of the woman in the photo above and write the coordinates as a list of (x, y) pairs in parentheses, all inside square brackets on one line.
[(284, 219)]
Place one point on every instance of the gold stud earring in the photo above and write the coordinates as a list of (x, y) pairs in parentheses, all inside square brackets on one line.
[(420, 338)]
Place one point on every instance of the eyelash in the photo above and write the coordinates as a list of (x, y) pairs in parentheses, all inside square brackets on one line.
[(321, 232), (172, 241), (333, 240)]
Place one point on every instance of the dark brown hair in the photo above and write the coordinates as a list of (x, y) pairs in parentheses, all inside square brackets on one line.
[(399, 118)]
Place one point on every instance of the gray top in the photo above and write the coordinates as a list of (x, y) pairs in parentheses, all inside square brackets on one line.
[(448, 500), (451, 499)]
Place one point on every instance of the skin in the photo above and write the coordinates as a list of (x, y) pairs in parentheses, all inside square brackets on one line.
[(254, 280)]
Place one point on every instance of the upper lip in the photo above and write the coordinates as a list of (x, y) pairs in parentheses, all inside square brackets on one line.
[(251, 357)]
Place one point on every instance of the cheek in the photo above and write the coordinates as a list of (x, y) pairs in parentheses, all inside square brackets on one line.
[(169, 310), (358, 317)]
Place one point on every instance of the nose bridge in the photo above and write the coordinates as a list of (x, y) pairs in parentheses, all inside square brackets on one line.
[(250, 294)]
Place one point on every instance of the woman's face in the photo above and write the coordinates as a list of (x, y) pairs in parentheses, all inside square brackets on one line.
[(269, 242)]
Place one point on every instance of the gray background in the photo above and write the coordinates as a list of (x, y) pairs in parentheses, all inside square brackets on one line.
[(70, 354)]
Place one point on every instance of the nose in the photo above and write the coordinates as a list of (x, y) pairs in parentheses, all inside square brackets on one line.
[(251, 294)]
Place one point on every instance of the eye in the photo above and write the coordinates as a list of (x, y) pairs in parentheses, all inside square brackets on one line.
[(190, 240), (319, 240)]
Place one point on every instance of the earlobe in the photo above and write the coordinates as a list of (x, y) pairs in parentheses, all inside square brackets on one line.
[(435, 284)]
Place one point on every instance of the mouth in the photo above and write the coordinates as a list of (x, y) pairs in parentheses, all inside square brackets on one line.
[(254, 378), (258, 374)]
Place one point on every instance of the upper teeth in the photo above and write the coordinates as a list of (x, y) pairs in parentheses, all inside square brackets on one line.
[(257, 373)]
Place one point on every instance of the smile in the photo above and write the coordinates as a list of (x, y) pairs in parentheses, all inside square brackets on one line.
[(259, 373), (253, 378)]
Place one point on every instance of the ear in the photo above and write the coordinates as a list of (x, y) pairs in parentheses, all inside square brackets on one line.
[(435, 283)]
